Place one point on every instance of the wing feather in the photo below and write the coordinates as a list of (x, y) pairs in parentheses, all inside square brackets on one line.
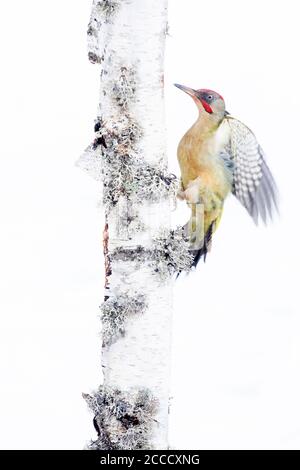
[(253, 183)]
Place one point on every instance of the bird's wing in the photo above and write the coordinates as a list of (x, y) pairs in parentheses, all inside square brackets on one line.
[(253, 183)]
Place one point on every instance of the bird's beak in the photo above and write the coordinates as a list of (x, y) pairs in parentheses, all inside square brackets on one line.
[(186, 89)]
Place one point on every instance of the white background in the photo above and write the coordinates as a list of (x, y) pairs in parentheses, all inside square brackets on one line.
[(236, 354)]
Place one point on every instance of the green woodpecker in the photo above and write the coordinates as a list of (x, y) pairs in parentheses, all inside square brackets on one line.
[(219, 155)]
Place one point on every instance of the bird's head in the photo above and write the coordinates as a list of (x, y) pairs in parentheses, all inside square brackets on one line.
[(208, 101)]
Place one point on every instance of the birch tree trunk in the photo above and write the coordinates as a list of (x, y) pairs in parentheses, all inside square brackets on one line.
[(126, 39)]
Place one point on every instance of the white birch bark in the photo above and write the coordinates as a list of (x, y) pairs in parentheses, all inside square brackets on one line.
[(126, 39)]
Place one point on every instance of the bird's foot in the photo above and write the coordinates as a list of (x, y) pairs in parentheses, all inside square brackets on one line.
[(192, 192), (181, 195)]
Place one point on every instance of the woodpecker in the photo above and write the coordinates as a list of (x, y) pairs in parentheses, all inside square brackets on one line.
[(217, 156)]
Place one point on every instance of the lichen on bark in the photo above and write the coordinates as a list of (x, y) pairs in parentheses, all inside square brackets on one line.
[(168, 255), (115, 313), (123, 420)]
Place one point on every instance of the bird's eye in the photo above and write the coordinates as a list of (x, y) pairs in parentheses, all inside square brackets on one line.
[(209, 97)]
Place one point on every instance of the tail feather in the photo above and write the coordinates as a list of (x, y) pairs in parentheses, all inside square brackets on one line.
[(202, 252)]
